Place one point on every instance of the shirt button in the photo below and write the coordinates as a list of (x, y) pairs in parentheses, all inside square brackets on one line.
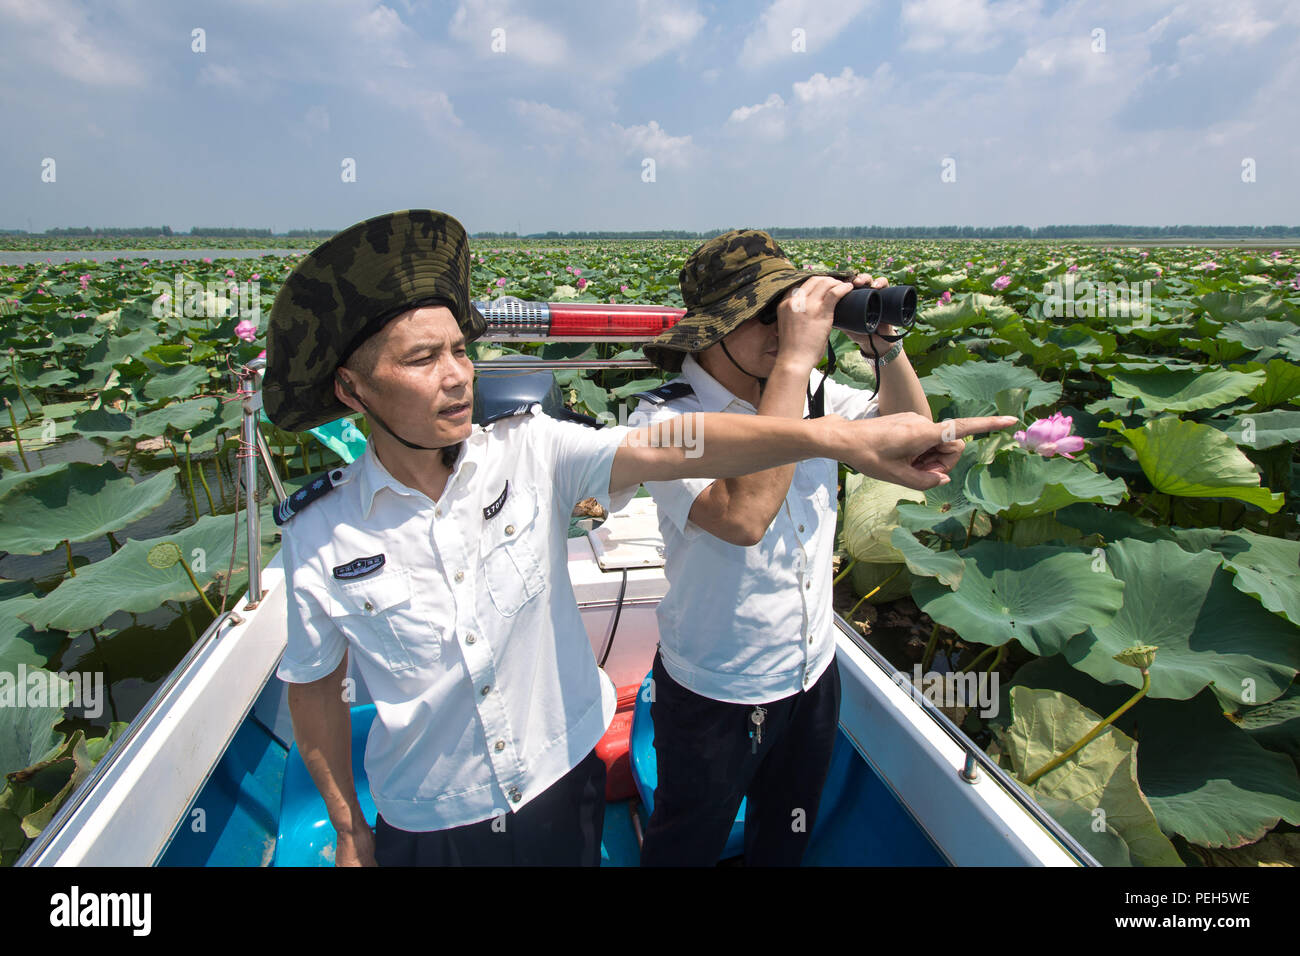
[(801, 529), (510, 529), (470, 639), (336, 475), (500, 746), (369, 606), (514, 795), (438, 513), (807, 585), (486, 688), (460, 575)]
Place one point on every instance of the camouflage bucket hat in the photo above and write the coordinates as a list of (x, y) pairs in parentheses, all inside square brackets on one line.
[(725, 282), (340, 294)]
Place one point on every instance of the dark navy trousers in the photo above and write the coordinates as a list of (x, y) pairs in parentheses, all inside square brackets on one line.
[(707, 763), (559, 827)]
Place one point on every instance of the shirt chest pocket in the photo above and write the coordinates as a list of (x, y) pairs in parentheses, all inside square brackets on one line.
[(377, 611), (508, 550)]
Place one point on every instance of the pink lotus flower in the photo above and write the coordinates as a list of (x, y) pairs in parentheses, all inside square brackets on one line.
[(1143, 255), (1072, 269), (946, 297), (206, 259), (1002, 263), (970, 265), (246, 330), (501, 283), (1001, 282), (582, 284), (256, 276), (1051, 436), (262, 354), (230, 272)]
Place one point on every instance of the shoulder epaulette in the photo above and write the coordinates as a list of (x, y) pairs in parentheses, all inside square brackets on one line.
[(322, 485), (666, 393), (516, 410), (569, 415)]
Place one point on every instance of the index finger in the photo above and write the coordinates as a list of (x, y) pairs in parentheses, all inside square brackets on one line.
[(962, 427)]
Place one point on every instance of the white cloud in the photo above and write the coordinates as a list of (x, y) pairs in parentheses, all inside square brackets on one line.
[(771, 38), (654, 142), (57, 35), (765, 120), (967, 26), (532, 41), (819, 87)]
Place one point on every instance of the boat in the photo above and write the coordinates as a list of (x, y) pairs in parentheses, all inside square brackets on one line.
[(207, 774)]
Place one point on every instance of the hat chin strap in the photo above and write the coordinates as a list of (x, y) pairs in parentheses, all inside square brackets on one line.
[(816, 400), (384, 425)]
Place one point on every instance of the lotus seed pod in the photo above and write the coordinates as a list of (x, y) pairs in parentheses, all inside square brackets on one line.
[(1139, 656), (164, 555)]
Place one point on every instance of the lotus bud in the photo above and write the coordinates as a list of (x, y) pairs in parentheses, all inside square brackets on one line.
[(1139, 656)]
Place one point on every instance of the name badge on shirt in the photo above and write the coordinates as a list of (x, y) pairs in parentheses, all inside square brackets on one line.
[(359, 568), (493, 509)]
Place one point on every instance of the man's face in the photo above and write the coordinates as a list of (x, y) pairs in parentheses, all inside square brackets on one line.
[(422, 384), (753, 345)]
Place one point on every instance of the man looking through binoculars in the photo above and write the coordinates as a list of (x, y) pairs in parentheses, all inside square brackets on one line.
[(746, 690)]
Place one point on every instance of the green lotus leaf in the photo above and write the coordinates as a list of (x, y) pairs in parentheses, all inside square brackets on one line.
[(179, 416), (27, 734), (1206, 778), (176, 383), (1039, 596), (1276, 724), (1261, 429), (1237, 307), (1184, 390), (946, 566), (19, 643), (1110, 523), (1281, 382), (1180, 601), (1102, 776), (10, 483), (1193, 460), (1106, 845), (1258, 334), (1291, 346), (870, 515), (894, 581), (104, 424), (114, 350), (974, 386), (1266, 568), (20, 405), (124, 581), (79, 503), (1021, 485)]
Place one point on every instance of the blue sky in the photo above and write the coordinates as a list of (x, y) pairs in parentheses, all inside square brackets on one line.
[(772, 113)]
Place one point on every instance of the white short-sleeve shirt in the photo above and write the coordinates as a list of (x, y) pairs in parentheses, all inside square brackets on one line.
[(750, 625), (460, 617)]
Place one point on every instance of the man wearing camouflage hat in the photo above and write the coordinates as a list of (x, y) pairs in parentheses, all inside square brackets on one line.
[(746, 686), (438, 559)]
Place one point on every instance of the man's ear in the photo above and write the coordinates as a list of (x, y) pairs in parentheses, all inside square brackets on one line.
[(345, 393)]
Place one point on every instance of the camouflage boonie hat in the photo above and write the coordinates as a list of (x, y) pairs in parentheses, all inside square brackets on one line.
[(725, 282), (339, 294)]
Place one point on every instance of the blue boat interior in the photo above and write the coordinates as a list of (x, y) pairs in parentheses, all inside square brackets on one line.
[(260, 807)]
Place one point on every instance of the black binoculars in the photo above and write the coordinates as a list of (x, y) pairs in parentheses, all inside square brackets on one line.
[(862, 310)]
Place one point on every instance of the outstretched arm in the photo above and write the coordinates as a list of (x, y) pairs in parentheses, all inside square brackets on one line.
[(905, 449)]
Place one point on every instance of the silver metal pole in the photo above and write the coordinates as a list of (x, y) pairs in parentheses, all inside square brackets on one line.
[(248, 445)]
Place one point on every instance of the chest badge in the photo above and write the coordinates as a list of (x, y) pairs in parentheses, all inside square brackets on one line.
[(359, 568), (492, 510)]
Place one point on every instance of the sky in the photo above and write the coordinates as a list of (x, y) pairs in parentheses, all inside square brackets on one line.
[(649, 114)]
